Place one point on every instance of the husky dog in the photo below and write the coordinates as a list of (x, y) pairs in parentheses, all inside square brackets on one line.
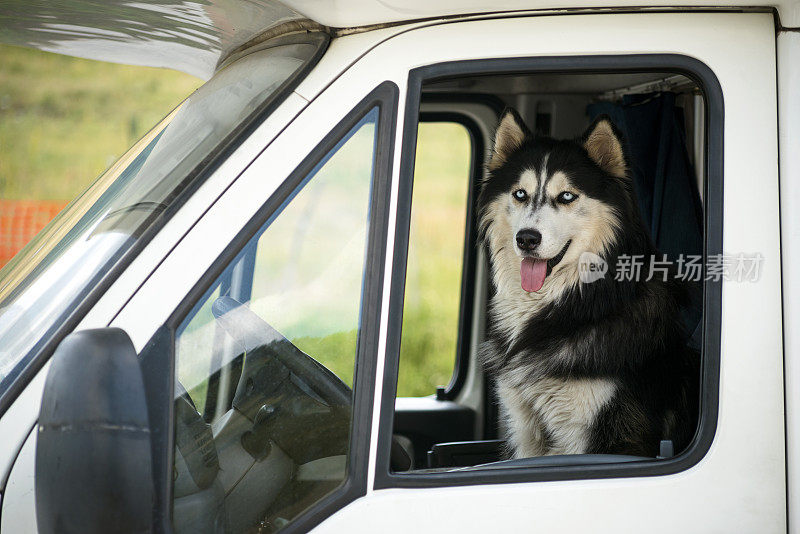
[(582, 365)]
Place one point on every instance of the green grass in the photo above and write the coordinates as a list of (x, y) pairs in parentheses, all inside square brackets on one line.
[(64, 120)]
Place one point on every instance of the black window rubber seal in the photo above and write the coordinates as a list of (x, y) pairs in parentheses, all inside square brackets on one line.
[(712, 290), (385, 98), (39, 355), (469, 256)]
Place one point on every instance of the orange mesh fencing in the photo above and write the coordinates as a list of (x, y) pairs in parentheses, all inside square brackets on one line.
[(20, 220)]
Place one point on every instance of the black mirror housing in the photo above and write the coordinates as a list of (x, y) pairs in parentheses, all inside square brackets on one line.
[(93, 454)]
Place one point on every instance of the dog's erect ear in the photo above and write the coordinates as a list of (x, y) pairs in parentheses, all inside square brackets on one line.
[(511, 132), (602, 143)]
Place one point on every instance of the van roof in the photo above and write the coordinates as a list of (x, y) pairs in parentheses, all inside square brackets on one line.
[(355, 13), (195, 37)]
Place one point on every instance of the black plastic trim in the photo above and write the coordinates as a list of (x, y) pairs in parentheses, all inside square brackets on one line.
[(385, 98), (712, 294), (35, 360), (433, 421), (558, 460), (781, 176), (467, 300), (491, 101), (157, 361)]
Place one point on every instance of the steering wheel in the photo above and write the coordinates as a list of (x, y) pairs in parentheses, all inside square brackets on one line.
[(262, 343), (269, 355)]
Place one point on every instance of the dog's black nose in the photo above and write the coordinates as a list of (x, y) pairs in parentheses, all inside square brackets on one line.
[(528, 239)]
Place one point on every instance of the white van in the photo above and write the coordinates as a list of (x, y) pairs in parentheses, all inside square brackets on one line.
[(209, 338)]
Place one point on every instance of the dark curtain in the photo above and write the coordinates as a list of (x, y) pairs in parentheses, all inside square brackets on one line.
[(653, 130)]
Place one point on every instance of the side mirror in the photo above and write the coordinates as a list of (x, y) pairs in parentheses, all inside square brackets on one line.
[(93, 454)]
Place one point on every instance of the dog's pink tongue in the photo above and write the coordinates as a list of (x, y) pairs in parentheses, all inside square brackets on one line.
[(533, 273)]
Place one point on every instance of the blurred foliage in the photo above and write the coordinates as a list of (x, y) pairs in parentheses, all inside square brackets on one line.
[(64, 120), (435, 258)]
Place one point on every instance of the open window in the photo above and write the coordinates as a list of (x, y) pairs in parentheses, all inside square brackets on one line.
[(668, 110)]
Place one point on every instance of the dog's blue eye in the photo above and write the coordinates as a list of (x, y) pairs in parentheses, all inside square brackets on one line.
[(520, 194), (566, 197)]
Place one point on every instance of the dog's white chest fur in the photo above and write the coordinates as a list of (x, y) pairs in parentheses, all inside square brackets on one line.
[(552, 416)]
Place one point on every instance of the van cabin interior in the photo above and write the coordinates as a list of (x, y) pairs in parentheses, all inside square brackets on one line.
[(557, 105), (458, 427)]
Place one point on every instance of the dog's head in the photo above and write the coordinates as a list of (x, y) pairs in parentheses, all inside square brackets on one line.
[(546, 202)]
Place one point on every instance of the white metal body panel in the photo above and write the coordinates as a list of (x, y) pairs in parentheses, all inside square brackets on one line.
[(19, 502), (739, 486), (17, 422), (789, 135), (342, 52)]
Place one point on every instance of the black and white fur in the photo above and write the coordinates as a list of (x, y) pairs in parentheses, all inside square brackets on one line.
[(599, 367)]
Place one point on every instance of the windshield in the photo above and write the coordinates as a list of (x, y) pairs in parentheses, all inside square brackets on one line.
[(43, 285)]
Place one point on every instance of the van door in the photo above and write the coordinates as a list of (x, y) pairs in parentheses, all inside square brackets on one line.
[(731, 477)]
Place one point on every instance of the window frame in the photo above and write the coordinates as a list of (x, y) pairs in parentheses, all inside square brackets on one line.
[(159, 371), (712, 290)]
